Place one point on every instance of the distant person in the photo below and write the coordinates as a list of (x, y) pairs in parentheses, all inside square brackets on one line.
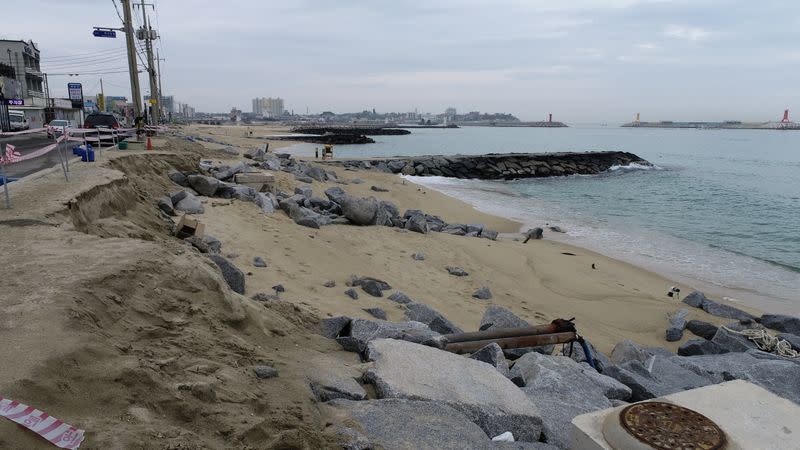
[(316, 152), (138, 122)]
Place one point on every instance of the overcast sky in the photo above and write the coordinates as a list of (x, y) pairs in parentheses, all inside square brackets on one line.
[(582, 60)]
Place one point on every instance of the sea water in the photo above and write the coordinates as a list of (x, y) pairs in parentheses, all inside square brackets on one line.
[(719, 210)]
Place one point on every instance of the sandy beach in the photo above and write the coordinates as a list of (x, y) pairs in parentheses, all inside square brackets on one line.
[(112, 324)]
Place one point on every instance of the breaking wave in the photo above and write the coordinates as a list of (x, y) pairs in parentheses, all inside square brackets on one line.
[(634, 166)]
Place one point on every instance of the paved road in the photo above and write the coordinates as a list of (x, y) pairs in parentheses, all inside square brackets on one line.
[(25, 144), (28, 143)]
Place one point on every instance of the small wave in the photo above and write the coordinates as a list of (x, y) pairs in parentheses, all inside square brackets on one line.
[(634, 166)]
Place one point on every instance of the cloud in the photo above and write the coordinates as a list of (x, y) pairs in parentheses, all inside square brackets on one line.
[(686, 32), (462, 78), (647, 46)]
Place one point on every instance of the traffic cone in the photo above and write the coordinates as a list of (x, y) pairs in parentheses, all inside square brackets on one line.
[(149, 143)]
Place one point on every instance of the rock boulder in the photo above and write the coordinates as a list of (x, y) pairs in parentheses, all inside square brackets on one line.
[(359, 332), (487, 398), (782, 323), (232, 275), (436, 321), (677, 322), (492, 354), (395, 424), (203, 185), (703, 329)]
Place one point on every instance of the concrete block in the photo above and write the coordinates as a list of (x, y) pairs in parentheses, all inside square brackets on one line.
[(261, 182), (750, 416)]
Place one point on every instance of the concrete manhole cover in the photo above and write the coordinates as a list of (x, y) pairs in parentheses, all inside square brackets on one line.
[(666, 426)]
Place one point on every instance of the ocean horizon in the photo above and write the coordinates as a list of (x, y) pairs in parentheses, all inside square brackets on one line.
[(718, 209)]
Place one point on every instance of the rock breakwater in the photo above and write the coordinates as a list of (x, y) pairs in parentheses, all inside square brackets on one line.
[(366, 131), (497, 166)]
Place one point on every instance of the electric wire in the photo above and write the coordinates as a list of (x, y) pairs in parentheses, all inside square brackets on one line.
[(85, 55), (76, 74)]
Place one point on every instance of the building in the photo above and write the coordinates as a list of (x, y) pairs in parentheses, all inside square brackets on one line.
[(167, 103), (268, 107), (24, 60), (235, 115), (116, 104), (22, 83), (257, 109), (185, 111), (450, 112)]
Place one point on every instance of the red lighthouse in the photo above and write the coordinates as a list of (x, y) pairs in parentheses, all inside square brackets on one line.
[(785, 116)]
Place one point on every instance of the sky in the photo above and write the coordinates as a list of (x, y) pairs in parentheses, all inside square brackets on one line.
[(582, 60)]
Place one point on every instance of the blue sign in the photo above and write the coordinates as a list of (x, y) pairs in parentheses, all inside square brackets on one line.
[(14, 101), (75, 91), (105, 33)]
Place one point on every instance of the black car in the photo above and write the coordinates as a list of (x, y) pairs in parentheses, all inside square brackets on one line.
[(99, 120)]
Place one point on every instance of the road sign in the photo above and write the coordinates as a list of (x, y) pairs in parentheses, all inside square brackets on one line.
[(75, 94), (105, 33)]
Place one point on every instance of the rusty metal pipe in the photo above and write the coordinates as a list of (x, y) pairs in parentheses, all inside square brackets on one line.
[(557, 326), (512, 342)]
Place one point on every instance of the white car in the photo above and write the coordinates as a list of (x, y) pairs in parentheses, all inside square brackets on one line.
[(56, 127), (18, 120)]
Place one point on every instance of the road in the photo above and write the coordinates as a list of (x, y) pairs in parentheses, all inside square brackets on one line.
[(25, 144)]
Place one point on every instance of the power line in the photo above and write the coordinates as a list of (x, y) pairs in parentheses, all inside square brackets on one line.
[(52, 66), (74, 74), (81, 63), (160, 46), (115, 85), (117, 10), (85, 55)]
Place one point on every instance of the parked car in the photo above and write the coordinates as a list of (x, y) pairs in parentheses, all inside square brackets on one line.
[(18, 120), (55, 127), (100, 120)]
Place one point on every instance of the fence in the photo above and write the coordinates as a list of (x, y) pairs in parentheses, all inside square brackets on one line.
[(61, 139)]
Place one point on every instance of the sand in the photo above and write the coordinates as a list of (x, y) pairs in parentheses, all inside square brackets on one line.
[(112, 325)]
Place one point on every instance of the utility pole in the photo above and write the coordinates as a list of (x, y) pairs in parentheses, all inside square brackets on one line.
[(160, 91), (132, 65), (151, 70), (102, 106)]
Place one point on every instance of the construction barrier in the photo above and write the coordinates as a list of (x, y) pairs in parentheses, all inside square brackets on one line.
[(96, 137), (9, 155)]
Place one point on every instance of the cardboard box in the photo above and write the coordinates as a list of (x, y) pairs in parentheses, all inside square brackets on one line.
[(188, 226)]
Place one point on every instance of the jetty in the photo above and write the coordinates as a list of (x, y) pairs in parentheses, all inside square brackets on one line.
[(499, 166), (366, 131)]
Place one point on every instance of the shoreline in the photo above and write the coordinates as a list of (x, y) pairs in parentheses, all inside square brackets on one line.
[(154, 329), (734, 295)]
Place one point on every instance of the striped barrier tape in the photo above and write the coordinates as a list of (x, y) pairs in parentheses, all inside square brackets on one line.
[(18, 133), (13, 156), (58, 433)]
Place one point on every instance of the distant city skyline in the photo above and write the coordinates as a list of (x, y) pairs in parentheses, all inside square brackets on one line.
[(583, 61)]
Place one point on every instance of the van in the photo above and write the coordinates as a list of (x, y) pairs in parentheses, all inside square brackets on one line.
[(100, 120), (18, 120)]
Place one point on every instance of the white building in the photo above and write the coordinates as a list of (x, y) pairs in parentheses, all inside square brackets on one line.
[(268, 107)]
